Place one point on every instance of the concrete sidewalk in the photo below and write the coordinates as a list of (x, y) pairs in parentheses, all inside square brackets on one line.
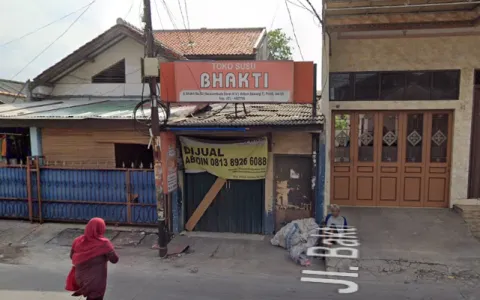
[(25, 243), (411, 245)]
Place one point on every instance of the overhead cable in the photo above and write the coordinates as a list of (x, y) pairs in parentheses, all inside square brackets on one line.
[(300, 5), (158, 14), (44, 26), (293, 28), (51, 44), (129, 10), (169, 13)]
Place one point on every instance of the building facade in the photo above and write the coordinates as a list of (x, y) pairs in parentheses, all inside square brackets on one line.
[(88, 153), (400, 98)]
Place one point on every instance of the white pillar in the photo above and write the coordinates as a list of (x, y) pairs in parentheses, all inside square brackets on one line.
[(36, 141)]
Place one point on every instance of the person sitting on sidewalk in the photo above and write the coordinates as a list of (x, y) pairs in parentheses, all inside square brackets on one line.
[(334, 223), (334, 220)]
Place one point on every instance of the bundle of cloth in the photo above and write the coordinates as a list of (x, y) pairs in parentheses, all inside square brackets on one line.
[(296, 238)]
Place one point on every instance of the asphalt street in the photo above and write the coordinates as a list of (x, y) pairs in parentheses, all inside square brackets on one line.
[(126, 283)]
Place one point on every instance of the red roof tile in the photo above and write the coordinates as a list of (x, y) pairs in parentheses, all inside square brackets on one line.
[(235, 41)]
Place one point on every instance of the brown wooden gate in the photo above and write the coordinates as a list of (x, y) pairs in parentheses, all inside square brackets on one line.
[(391, 158)]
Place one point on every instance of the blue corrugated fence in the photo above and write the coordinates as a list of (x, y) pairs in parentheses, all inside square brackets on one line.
[(117, 195)]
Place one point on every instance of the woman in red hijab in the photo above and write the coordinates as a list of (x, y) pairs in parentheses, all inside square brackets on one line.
[(90, 254)]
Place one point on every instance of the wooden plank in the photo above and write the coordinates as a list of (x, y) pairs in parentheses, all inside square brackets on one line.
[(178, 244), (206, 201)]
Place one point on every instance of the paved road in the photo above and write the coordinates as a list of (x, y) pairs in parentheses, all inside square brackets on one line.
[(126, 283)]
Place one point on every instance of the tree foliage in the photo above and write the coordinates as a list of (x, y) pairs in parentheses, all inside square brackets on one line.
[(279, 45)]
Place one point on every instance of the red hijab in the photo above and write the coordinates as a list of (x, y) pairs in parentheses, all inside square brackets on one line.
[(92, 243)]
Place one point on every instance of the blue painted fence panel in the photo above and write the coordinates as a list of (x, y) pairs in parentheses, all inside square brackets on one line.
[(79, 195), (13, 193), (144, 211)]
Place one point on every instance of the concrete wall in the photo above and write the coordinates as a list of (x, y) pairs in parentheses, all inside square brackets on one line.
[(414, 53), (262, 50), (78, 82)]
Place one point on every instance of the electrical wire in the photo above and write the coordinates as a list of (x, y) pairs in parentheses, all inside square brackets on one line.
[(300, 5), (8, 86), (54, 41), (314, 11), (324, 46), (129, 10), (158, 14), (186, 12), (19, 92), (181, 13), (293, 28), (169, 13), (275, 14), (44, 26), (137, 107), (161, 106), (190, 42)]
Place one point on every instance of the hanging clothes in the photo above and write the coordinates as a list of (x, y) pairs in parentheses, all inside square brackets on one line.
[(3, 145)]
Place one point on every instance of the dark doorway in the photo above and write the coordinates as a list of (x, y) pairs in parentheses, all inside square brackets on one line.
[(293, 186), (474, 173)]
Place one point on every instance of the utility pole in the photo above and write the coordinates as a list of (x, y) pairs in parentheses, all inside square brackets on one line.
[(160, 197)]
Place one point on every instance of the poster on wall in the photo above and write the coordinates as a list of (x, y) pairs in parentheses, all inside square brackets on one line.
[(169, 159), (241, 160)]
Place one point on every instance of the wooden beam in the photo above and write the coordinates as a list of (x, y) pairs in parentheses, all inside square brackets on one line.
[(398, 18), (206, 201), (405, 26)]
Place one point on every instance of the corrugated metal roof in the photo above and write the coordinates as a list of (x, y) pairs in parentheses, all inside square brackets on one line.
[(257, 115), (12, 88), (80, 109), (218, 115)]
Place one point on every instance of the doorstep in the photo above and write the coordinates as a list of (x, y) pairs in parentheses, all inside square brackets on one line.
[(224, 235)]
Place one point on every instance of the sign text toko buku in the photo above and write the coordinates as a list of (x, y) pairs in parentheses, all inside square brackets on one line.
[(237, 82)]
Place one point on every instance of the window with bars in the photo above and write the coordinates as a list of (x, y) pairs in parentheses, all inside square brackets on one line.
[(136, 156), (396, 85)]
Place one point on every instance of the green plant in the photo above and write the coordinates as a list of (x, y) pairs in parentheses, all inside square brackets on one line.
[(279, 45)]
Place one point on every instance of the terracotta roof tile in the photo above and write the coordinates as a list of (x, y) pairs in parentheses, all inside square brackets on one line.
[(241, 41)]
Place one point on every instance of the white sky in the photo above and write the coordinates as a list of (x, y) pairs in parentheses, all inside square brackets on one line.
[(20, 17)]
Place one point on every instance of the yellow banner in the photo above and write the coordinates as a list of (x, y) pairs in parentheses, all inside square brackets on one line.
[(243, 160)]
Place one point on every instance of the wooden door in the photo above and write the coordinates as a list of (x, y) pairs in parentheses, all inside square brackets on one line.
[(397, 158), (474, 174), (341, 188), (389, 159), (366, 137), (413, 157), (439, 140), (293, 186)]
